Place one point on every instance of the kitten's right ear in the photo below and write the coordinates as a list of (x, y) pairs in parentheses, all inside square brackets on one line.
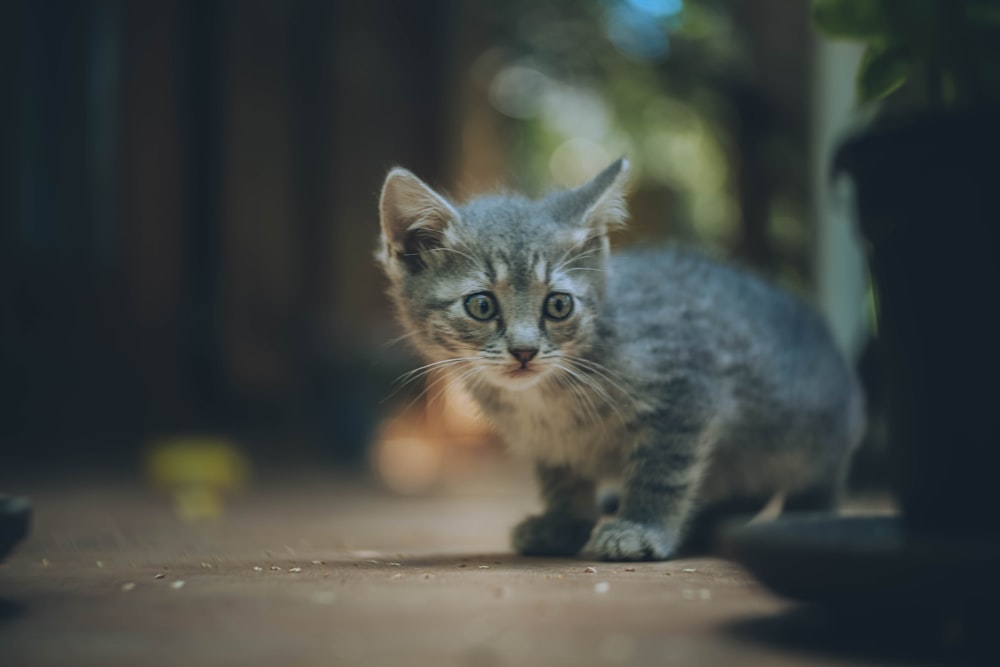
[(414, 219)]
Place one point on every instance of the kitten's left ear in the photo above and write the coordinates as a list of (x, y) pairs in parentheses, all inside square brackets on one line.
[(598, 205), (413, 217)]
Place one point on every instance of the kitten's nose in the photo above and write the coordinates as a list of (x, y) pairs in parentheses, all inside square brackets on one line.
[(524, 354)]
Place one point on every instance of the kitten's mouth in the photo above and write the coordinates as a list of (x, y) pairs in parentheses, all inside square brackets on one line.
[(523, 376)]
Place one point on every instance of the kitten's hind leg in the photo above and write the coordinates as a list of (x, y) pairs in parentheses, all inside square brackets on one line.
[(569, 516)]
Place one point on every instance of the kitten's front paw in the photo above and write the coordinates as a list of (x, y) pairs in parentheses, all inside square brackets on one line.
[(551, 535), (619, 539)]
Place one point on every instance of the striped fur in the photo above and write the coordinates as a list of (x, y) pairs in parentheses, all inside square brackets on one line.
[(690, 382)]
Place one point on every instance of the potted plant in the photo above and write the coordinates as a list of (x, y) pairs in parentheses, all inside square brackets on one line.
[(926, 172), (927, 184)]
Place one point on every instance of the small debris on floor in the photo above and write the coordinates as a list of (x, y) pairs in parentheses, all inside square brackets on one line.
[(317, 562), (295, 569), (323, 597), (207, 566), (373, 561), (159, 575), (531, 610), (394, 565)]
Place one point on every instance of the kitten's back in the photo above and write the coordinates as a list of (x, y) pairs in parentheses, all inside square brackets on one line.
[(761, 356)]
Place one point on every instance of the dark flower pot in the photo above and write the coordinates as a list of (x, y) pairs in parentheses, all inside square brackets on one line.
[(928, 204)]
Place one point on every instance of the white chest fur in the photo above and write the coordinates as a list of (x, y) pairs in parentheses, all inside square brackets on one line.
[(556, 426)]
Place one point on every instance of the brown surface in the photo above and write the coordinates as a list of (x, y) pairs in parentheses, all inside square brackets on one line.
[(399, 581)]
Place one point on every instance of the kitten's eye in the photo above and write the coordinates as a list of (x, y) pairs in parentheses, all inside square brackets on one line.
[(481, 306), (558, 306)]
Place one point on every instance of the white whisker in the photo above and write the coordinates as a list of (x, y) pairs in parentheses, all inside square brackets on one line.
[(468, 378), (578, 391), (568, 259), (595, 387), (399, 339), (601, 371), (443, 378), (457, 252), (444, 381), (411, 376)]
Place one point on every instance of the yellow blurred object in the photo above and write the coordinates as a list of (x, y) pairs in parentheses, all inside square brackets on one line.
[(197, 471)]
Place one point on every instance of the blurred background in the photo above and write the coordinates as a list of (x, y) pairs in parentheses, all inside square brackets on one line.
[(189, 188)]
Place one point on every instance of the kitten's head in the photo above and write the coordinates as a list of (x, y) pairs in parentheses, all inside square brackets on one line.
[(501, 289)]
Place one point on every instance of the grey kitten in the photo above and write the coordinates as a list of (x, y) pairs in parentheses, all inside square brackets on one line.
[(700, 388)]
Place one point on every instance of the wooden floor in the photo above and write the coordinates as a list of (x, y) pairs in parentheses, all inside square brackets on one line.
[(319, 570)]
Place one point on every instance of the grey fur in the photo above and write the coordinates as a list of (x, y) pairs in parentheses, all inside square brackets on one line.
[(697, 385)]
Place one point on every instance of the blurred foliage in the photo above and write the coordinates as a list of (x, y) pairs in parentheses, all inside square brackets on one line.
[(189, 191), (700, 95), (590, 81), (951, 46)]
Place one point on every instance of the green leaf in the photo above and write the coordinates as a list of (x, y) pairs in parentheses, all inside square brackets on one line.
[(852, 19), (920, 12), (883, 69), (983, 12)]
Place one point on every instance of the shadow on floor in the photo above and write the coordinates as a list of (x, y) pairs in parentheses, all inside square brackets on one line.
[(915, 638), (10, 609)]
